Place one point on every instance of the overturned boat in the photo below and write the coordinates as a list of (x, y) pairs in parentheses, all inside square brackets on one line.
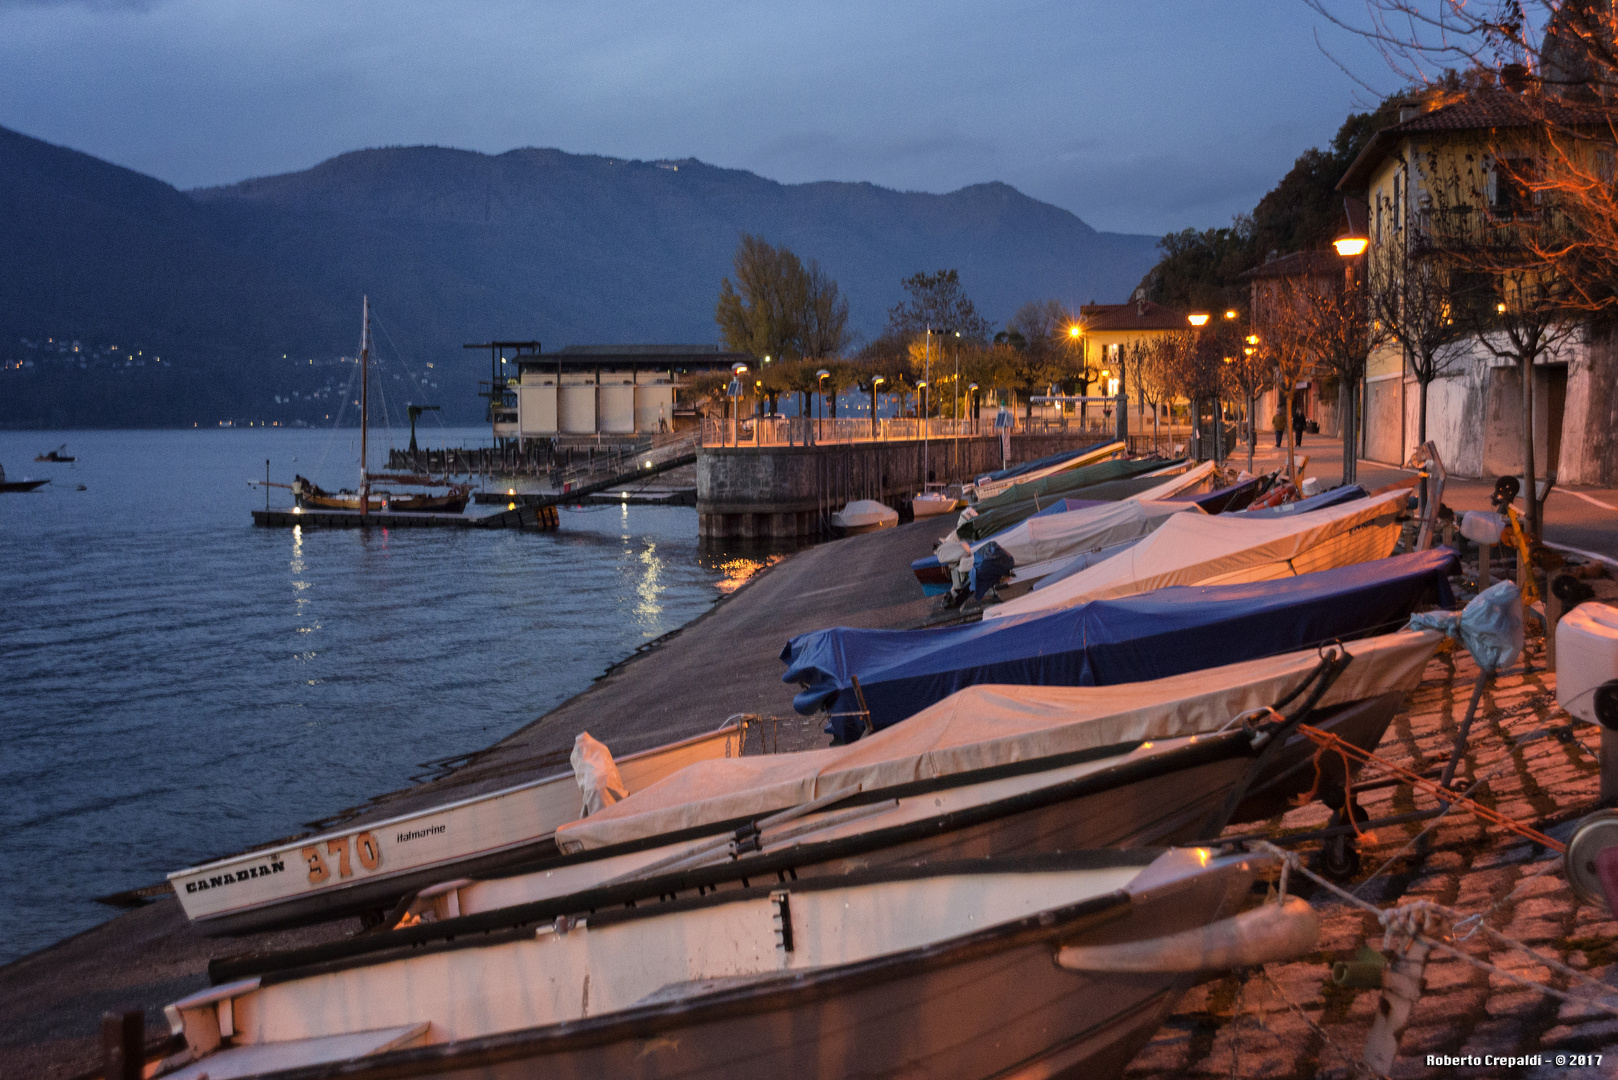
[(880, 973), (1229, 548)]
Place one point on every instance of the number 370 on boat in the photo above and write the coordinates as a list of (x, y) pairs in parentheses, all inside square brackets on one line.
[(332, 857)]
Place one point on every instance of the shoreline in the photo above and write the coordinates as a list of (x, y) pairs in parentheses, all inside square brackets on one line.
[(723, 661)]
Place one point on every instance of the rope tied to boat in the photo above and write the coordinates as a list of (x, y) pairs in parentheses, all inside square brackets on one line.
[(1322, 748), (1405, 921), (1329, 740)]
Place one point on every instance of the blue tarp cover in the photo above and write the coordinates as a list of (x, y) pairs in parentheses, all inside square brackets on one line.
[(1150, 636)]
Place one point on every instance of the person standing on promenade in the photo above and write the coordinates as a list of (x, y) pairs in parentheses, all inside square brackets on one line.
[(1279, 423)]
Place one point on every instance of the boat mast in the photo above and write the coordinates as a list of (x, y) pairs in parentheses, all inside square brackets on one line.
[(365, 402)]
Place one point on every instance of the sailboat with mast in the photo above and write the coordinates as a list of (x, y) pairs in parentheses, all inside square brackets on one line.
[(309, 495)]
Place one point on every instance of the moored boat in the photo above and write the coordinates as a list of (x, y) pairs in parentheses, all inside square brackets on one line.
[(881, 973), (933, 503), (25, 484), (56, 455)]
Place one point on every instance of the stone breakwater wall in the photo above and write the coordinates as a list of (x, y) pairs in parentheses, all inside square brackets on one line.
[(790, 492)]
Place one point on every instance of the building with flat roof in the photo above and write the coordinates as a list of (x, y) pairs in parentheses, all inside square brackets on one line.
[(607, 392)]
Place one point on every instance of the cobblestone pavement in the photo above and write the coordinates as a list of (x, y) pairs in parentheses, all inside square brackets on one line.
[(1537, 767)]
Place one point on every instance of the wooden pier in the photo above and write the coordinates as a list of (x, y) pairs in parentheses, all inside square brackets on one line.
[(520, 517)]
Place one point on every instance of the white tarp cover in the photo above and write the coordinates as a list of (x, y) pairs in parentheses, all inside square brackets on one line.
[(984, 726), (1090, 529), (1230, 548)]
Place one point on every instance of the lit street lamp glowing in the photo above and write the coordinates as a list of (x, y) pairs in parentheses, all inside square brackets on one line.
[(1073, 331), (1350, 246), (1230, 314), (1197, 318)]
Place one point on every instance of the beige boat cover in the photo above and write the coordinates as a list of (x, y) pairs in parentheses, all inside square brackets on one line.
[(983, 726), (1091, 529), (1228, 548)]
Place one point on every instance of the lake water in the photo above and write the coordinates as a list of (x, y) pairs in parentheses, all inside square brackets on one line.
[(177, 684)]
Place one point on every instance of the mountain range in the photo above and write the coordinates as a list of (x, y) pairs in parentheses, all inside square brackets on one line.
[(238, 287)]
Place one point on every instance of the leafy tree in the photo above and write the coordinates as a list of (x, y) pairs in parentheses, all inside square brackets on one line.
[(937, 302), (779, 307), (763, 313)]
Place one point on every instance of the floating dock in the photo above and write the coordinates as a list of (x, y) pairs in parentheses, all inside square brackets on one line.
[(519, 517)]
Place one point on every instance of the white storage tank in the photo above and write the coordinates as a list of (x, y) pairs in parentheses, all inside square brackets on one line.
[(1586, 656), (536, 408), (650, 403), (617, 407), (578, 408)]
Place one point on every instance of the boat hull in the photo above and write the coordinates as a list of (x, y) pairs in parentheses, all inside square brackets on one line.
[(21, 485), (482, 836), (990, 1003)]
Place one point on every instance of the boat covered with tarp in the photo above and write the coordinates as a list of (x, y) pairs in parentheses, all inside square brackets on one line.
[(1107, 481), (1106, 642), (1220, 549), (1043, 467)]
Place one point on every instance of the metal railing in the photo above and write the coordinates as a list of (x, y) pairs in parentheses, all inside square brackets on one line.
[(790, 431)]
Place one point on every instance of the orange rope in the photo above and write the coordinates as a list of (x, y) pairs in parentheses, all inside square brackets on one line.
[(1326, 740), (1348, 784)]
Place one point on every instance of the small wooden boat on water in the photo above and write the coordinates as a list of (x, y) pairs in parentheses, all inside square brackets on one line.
[(863, 516), (25, 484), (56, 455), (1057, 966), (310, 496)]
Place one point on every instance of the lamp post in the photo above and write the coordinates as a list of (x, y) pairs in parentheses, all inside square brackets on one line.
[(876, 381), (1198, 319), (734, 392), (1351, 247), (972, 404), (820, 387)]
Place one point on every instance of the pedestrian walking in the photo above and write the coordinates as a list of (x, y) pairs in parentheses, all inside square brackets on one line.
[(1279, 423), (1299, 422)]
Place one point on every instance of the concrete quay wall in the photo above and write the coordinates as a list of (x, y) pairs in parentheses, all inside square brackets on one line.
[(790, 492)]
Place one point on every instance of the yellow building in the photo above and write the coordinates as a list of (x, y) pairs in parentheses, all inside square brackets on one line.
[(1448, 171), (1110, 330)]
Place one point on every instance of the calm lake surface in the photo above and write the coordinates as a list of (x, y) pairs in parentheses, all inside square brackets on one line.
[(177, 684)]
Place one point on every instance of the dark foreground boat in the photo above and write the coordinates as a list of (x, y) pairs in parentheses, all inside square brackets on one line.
[(25, 484), (1061, 966)]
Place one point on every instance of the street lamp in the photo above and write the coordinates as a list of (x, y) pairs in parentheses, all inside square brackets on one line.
[(1197, 318), (820, 381), (876, 381), (1349, 246)]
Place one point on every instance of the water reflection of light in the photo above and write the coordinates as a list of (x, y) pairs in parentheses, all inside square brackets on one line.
[(736, 571), (650, 587)]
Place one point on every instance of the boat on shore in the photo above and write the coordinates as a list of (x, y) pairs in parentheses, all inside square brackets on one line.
[(1082, 955), (863, 516), (994, 484), (369, 865), (25, 484), (1129, 639), (1191, 549)]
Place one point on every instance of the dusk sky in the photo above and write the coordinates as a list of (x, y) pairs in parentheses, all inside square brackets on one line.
[(1138, 117)]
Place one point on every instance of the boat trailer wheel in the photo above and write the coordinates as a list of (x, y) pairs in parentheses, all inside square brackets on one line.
[(1339, 857)]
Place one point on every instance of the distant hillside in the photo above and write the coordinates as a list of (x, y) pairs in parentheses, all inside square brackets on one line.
[(453, 246)]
